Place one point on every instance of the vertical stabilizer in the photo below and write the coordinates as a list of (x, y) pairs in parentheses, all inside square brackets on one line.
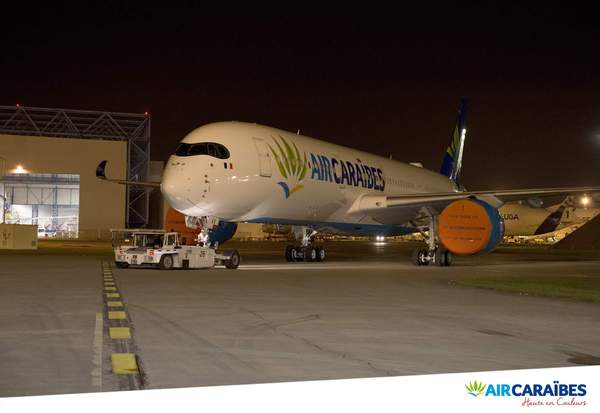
[(452, 163)]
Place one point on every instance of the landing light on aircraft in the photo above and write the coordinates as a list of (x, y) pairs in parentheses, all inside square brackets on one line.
[(379, 238), (585, 200)]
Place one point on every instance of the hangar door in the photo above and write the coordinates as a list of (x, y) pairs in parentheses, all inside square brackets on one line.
[(50, 201)]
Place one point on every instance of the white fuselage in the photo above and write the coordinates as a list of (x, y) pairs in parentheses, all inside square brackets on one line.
[(266, 179)]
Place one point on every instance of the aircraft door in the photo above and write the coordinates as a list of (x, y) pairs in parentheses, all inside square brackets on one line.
[(264, 157)]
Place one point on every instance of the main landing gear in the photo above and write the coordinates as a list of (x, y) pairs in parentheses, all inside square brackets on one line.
[(304, 251), (434, 254)]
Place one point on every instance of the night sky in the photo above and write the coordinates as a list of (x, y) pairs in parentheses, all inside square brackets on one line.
[(388, 84)]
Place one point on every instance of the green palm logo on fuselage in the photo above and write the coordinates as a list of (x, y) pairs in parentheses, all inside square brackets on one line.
[(291, 165)]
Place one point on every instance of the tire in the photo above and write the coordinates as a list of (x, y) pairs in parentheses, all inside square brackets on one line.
[(417, 257), (234, 261), (310, 254), (166, 262), (121, 264), (440, 257), (448, 255), (288, 253), (320, 254), (294, 254)]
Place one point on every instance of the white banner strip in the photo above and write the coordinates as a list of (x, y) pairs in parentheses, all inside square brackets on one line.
[(539, 390)]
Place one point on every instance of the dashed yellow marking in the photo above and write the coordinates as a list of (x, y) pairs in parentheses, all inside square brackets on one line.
[(113, 295), (117, 315), (124, 363), (119, 333), (110, 288), (114, 303), (109, 284)]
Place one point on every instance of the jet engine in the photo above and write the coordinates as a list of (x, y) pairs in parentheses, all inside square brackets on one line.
[(470, 226)]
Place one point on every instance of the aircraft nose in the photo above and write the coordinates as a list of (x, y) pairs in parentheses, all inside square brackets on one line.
[(176, 185)]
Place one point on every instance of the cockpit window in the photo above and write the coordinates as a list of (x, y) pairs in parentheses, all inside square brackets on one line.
[(204, 148)]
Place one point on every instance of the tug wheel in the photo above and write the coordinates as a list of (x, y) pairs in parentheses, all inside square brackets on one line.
[(234, 261), (166, 262)]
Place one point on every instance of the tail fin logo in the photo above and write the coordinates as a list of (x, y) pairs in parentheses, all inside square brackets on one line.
[(291, 164), (452, 162)]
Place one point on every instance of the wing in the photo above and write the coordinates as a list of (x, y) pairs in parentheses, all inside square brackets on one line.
[(101, 174), (399, 209)]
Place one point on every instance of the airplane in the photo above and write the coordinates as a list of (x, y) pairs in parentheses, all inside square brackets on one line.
[(521, 219), (228, 172)]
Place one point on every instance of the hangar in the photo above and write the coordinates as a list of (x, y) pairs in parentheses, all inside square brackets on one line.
[(48, 159)]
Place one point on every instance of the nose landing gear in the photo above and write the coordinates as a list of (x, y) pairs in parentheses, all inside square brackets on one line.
[(305, 251)]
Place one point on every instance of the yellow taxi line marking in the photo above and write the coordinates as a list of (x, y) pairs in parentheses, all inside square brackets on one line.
[(110, 288), (117, 315), (113, 295), (124, 363), (114, 303), (119, 333)]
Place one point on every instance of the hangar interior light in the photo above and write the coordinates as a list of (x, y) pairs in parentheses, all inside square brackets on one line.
[(20, 170)]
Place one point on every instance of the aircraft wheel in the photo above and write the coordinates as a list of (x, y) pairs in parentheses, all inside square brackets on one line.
[(310, 254), (288, 253), (418, 257), (440, 257), (166, 262), (295, 254), (320, 254), (234, 261), (448, 256), (121, 264)]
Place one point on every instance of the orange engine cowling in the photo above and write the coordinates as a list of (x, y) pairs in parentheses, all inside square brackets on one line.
[(470, 226), (175, 222)]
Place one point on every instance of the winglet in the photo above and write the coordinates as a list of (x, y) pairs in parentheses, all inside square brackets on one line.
[(452, 163), (101, 174), (101, 170)]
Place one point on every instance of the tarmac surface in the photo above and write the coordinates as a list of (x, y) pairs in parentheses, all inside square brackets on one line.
[(366, 312)]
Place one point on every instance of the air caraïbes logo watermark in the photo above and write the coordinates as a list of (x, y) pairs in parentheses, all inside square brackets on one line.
[(475, 388), (291, 164), (536, 394)]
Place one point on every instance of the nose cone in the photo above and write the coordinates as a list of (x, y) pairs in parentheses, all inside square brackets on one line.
[(176, 185)]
